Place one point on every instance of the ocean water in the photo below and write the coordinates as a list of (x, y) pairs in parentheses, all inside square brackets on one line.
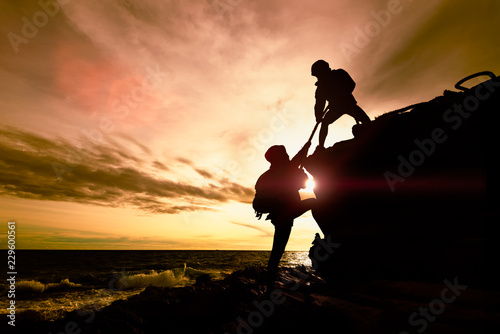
[(52, 283)]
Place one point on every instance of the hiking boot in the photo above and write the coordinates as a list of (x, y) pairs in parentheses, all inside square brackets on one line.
[(319, 149)]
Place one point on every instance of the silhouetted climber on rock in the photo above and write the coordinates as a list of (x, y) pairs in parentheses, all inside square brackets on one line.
[(276, 193), (334, 86)]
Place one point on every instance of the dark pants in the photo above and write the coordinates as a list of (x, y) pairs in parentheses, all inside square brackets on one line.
[(331, 116), (283, 223)]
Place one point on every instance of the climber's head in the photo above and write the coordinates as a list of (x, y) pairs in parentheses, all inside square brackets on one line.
[(320, 68), (277, 155)]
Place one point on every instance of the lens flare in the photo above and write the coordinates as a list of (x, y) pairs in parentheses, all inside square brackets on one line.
[(310, 184)]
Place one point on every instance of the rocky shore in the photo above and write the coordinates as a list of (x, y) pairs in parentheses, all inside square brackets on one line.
[(300, 303)]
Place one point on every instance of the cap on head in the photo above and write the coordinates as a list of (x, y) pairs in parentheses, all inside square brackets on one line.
[(276, 153), (319, 67)]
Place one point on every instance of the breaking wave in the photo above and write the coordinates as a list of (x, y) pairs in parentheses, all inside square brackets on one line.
[(39, 287), (169, 278)]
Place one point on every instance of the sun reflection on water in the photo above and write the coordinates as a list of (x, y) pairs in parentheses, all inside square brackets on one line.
[(293, 259)]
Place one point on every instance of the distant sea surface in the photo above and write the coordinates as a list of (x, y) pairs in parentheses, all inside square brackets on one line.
[(54, 282)]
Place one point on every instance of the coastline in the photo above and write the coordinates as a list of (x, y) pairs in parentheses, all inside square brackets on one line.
[(301, 302)]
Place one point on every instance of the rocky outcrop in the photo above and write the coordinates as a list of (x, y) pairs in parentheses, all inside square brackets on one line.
[(409, 197)]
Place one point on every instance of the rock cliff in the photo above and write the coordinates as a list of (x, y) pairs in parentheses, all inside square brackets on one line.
[(409, 197)]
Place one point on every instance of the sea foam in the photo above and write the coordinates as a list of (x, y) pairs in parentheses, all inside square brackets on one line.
[(168, 278), (39, 287)]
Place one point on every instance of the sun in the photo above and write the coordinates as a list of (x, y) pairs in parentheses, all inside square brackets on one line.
[(310, 184)]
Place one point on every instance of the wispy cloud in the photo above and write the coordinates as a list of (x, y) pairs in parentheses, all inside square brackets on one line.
[(61, 238), (265, 232), (39, 168)]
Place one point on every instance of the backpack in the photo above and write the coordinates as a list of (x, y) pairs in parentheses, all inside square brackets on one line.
[(268, 190), (266, 199), (344, 80), (264, 204)]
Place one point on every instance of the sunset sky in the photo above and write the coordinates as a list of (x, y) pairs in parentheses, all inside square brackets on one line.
[(143, 124)]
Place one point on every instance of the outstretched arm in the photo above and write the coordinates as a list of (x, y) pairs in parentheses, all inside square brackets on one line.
[(299, 158)]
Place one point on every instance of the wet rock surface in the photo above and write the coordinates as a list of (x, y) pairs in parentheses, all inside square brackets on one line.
[(301, 302)]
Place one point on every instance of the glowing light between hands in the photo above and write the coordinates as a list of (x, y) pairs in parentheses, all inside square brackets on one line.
[(310, 184)]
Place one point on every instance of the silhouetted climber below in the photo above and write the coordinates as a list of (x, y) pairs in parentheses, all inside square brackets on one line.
[(277, 193), (336, 87)]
